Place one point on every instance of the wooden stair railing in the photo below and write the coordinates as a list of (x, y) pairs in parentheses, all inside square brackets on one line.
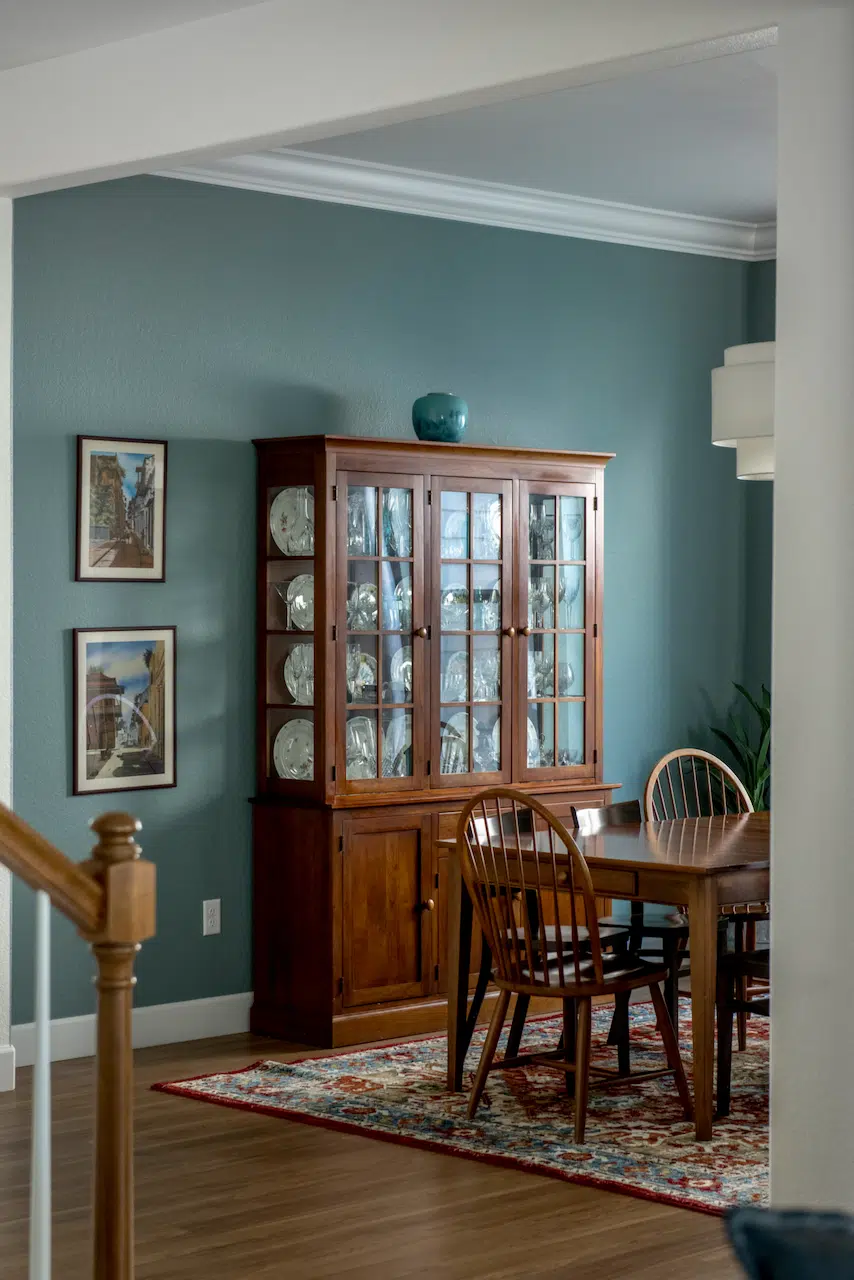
[(111, 900)]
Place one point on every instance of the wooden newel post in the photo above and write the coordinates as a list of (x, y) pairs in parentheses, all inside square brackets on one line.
[(129, 896)]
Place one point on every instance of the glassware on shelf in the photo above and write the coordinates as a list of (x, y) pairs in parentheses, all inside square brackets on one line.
[(293, 751), (400, 672), (362, 606), (541, 735), (361, 520), (541, 527), (570, 596), (486, 593), (570, 657), (361, 675), (454, 525), (486, 670), (541, 667), (396, 596), (541, 595), (299, 674), (298, 598), (455, 674), (486, 748), (361, 747), (454, 604), (570, 733), (292, 520)]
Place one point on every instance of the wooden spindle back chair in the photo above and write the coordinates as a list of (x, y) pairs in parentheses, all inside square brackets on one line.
[(691, 783), (525, 874)]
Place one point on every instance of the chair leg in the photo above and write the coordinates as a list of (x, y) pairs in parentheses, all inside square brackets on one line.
[(671, 1048), (724, 1010), (672, 962), (483, 977), (741, 988), (568, 1042), (493, 1035), (582, 1065), (517, 1026), (620, 1021)]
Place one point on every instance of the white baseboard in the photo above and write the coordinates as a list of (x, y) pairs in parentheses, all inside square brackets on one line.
[(152, 1024), (7, 1067)]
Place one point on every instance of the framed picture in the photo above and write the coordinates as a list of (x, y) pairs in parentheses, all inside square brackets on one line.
[(124, 709), (121, 510)]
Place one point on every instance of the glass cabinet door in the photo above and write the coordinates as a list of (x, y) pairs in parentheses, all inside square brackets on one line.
[(557, 608), (472, 590), (380, 633)]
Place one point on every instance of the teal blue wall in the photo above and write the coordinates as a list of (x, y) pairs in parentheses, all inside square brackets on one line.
[(759, 501), (209, 316)]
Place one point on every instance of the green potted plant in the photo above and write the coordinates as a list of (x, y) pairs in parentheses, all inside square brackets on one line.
[(753, 758)]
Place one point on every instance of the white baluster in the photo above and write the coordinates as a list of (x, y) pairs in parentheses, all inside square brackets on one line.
[(40, 1180)]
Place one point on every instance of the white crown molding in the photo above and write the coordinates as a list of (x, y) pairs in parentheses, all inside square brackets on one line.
[(152, 1024), (310, 176)]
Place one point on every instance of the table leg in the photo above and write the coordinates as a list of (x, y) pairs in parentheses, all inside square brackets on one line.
[(459, 954), (703, 926)]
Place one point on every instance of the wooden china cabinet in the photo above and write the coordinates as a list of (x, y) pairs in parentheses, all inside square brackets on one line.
[(429, 623)]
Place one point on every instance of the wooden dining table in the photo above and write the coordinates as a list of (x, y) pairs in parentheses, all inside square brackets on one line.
[(699, 863)]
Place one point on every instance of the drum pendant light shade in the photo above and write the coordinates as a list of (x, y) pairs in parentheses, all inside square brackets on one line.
[(743, 408)]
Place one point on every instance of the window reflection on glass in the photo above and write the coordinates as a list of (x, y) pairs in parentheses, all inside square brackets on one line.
[(541, 527), (541, 596), (570, 733), (454, 669), (455, 525), (486, 526), (541, 735), (486, 669), (486, 745), (454, 738), (396, 578), (397, 522), (397, 744), (486, 594), (361, 745), (570, 596), (361, 520), (570, 665), (541, 666), (572, 528)]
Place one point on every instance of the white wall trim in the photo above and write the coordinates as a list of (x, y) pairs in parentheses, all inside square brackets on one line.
[(7, 1068), (152, 1024), (6, 230), (311, 176)]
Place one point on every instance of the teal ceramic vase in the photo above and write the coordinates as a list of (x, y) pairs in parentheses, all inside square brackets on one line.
[(440, 416)]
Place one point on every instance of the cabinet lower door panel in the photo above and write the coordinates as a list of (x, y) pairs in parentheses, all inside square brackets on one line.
[(386, 918)]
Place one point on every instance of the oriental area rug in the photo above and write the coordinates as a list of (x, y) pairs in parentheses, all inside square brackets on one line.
[(637, 1142)]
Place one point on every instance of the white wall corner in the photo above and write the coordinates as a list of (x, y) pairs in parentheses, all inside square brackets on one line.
[(7, 1059), (152, 1025), (7, 1067)]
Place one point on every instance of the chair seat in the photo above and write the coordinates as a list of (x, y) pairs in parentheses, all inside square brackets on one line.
[(609, 935), (620, 968), (658, 928)]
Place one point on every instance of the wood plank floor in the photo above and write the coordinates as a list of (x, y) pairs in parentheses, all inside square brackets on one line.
[(227, 1195)]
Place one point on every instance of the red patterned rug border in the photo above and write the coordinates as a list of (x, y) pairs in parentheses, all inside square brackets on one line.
[(179, 1089)]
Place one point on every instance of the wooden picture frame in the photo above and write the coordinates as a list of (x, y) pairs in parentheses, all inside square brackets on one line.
[(124, 708), (121, 510)]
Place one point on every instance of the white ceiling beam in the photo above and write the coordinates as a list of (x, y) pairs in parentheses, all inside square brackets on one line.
[(295, 70), (398, 190)]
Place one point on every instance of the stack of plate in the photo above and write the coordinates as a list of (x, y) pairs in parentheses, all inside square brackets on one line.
[(292, 521)]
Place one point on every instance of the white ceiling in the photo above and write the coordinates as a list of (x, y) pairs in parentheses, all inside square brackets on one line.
[(34, 30), (699, 138)]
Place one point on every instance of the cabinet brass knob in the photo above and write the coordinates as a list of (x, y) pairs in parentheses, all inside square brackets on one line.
[(421, 632), (526, 631), (511, 631), (429, 905)]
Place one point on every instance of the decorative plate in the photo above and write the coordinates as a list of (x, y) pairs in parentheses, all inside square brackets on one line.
[(361, 674), (300, 602), (293, 751), (299, 674), (362, 607), (292, 521), (361, 748), (455, 607)]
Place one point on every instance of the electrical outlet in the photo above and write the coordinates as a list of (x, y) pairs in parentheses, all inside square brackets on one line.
[(211, 922)]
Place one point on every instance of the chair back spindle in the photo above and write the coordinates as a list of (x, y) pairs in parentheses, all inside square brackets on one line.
[(524, 872), (691, 783), (590, 821)]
